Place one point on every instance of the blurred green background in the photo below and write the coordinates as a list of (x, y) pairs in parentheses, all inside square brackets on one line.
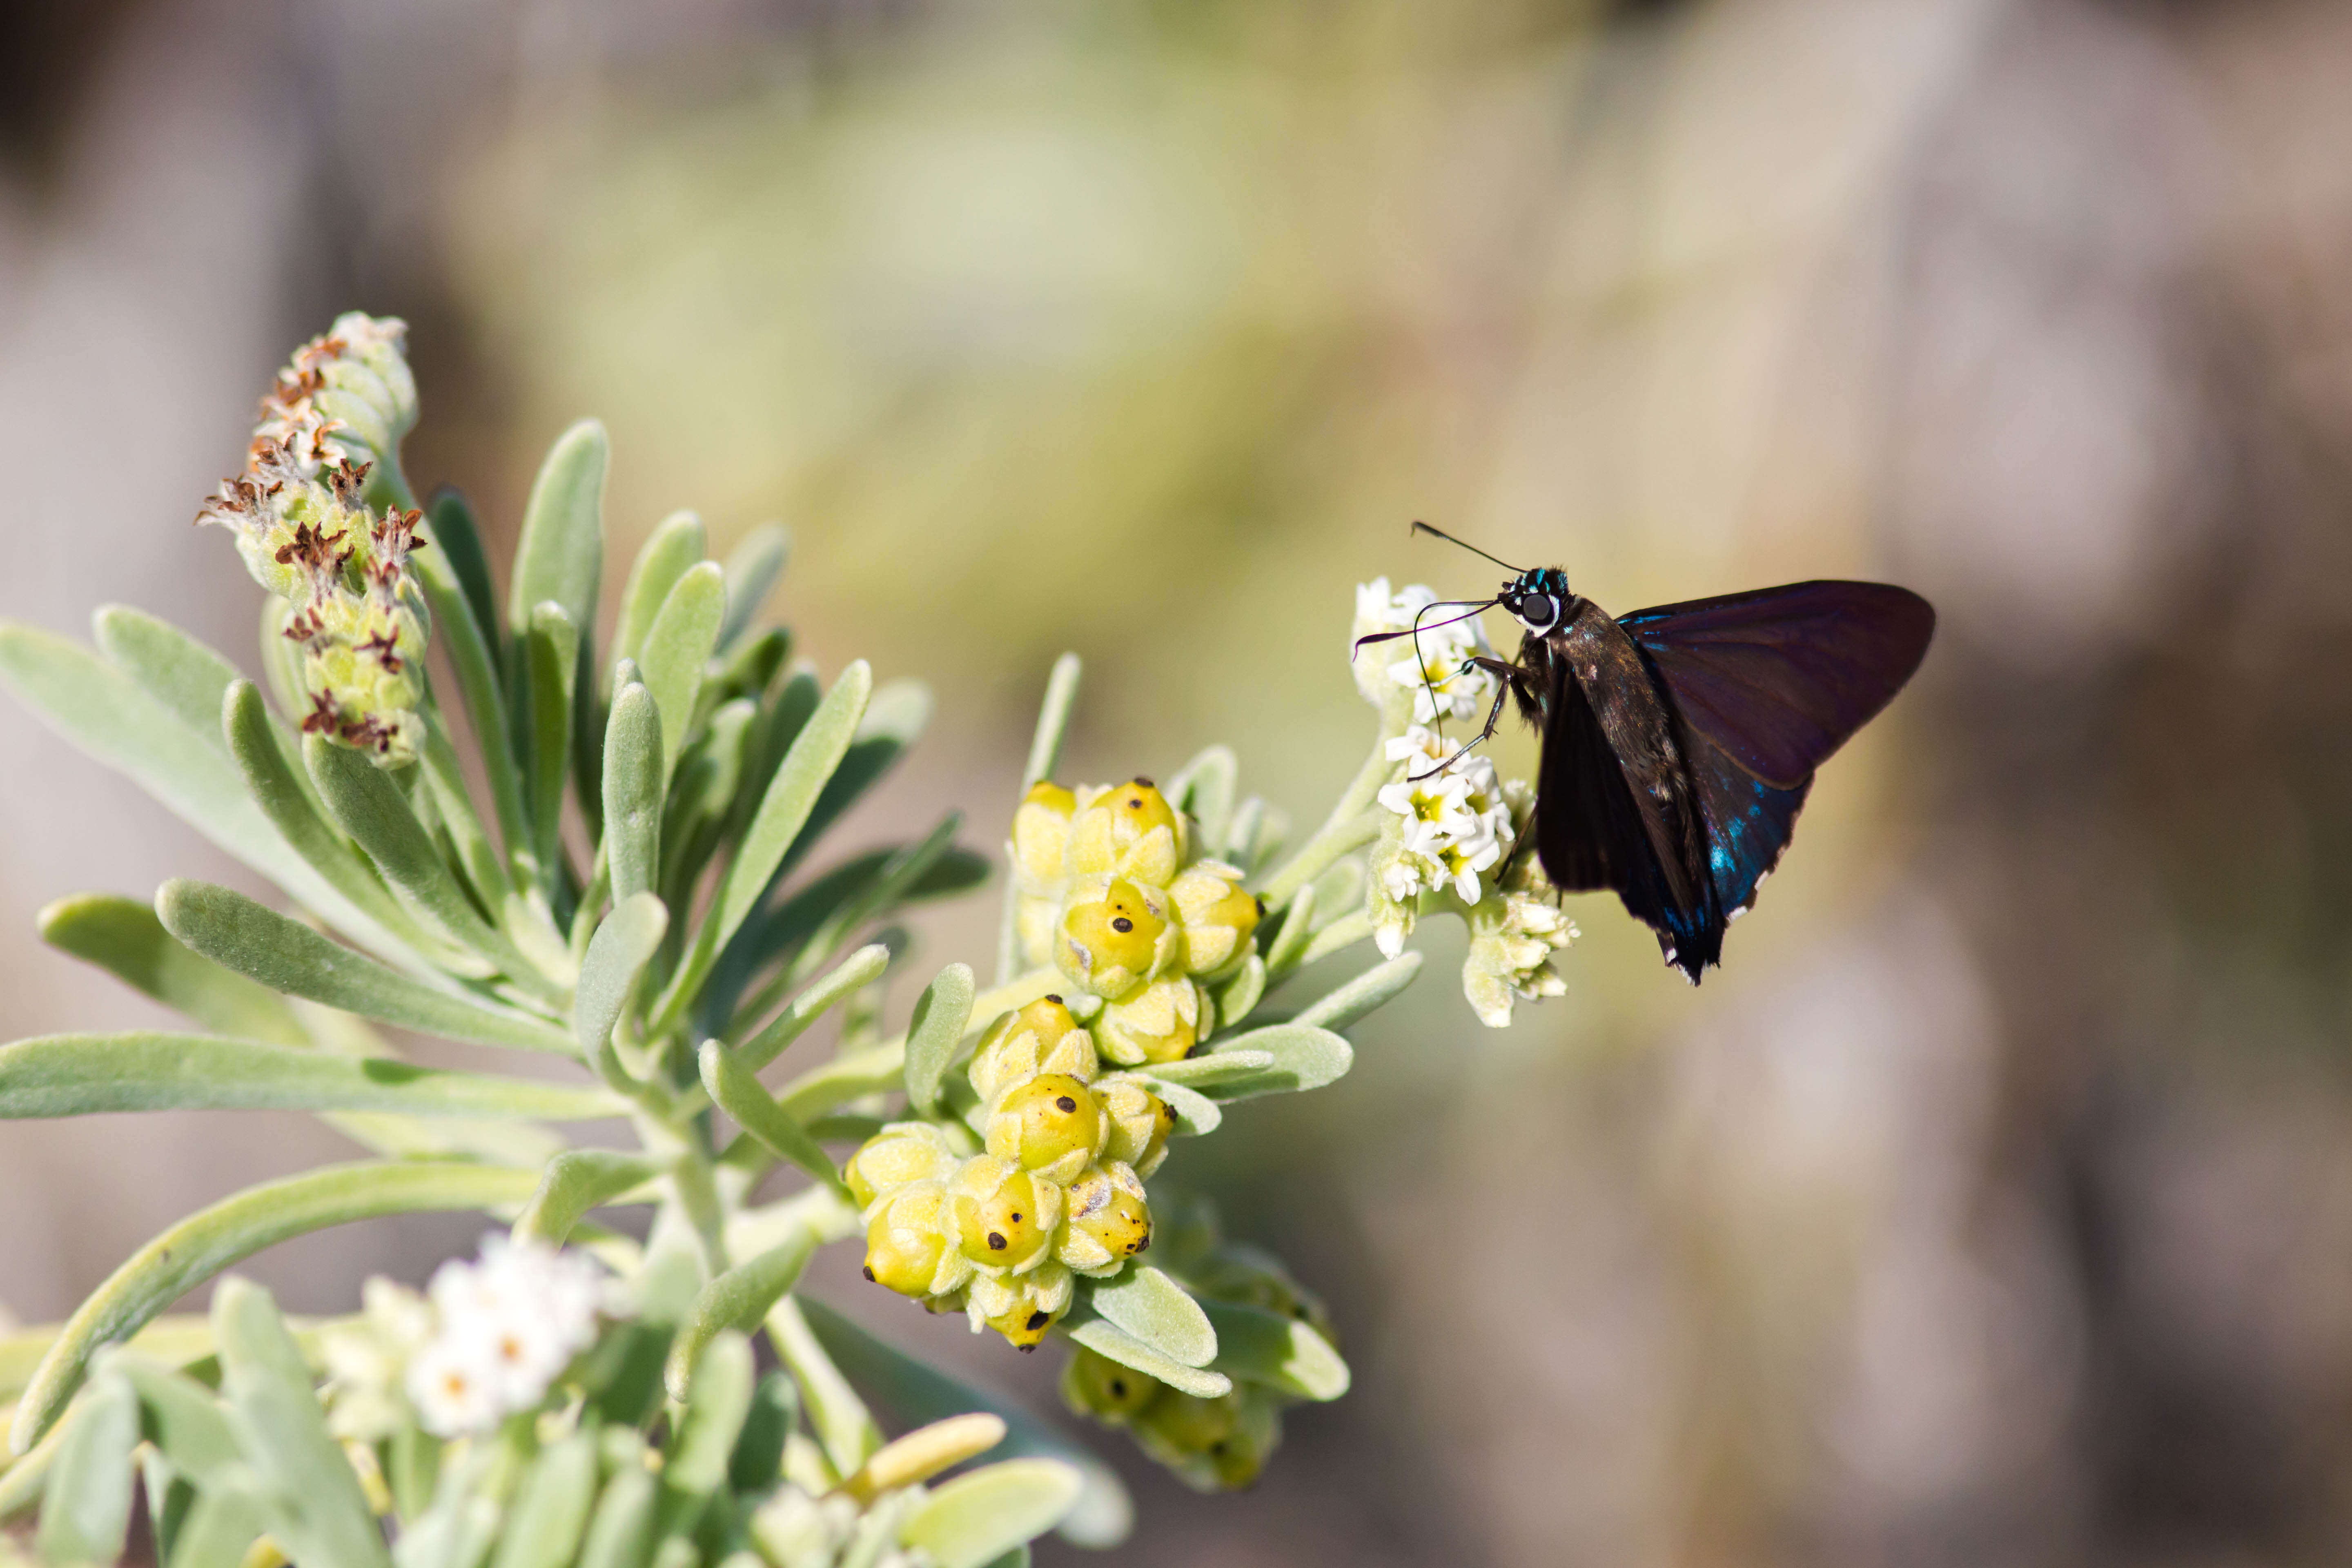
[(1989, 1207)]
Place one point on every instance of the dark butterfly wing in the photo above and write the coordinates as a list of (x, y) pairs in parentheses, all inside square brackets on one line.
[(1780, 677), (1747, 824)]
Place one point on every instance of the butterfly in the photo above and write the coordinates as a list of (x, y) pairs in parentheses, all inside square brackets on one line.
[(1678, 742)]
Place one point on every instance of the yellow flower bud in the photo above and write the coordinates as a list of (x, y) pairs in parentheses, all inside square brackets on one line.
[(1115, 936), (906, 1239), (1141, 1123), (1106, 1222), (1129, 831), (1053, 1125), (1040, 1037), (1041, 837), (900, 1154), (1023, 1309), (1004, 1216), (1219, 915), (1094, 1385), (1216, 1445), (1157, 1024)]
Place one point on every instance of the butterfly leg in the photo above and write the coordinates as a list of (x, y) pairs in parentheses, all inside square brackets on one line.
[(1505, 674)]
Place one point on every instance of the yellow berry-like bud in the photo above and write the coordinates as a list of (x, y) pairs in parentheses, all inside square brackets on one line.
[(1041, 837), (1022, 1309), (1094, 1385), (1004, 1216), (1053, 1124), (902, 1152), (1128, 831), (1218, 914), (906, 1240), (1115, 936), (1216, 1445), (1040, 1037), (1157, 1024), (1106, 1221), (1141, 1123)]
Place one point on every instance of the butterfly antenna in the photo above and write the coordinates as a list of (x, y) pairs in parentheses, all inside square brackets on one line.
[(1420, 527)]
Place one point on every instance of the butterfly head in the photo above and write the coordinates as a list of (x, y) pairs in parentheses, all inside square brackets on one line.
[(1538, 597)]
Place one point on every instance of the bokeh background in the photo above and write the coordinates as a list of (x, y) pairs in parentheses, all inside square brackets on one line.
[(1989, 1207)]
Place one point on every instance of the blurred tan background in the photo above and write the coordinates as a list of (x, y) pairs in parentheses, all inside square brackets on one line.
[(1990, 1207)]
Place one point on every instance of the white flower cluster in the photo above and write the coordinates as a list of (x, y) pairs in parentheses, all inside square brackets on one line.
[(504, 1328), (1441, 685), (1456, 825), (1512, 938)]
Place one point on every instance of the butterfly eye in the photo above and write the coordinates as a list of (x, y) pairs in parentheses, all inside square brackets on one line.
[(1538, 611)]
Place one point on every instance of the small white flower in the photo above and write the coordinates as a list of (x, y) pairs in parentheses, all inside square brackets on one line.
[(1441, 685), (1456, 822), (1513, 936), (507, 1326), (455, 1387)]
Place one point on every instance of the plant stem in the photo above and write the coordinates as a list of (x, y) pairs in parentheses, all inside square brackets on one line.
[(1351, 825)]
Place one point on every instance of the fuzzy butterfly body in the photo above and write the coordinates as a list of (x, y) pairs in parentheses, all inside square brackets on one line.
[(1678, 742)]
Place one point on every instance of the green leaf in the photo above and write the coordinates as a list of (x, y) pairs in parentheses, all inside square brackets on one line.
[(468, 628), (918, 1392), (220, 1529), (618, 954), (977, 1517), (1052, 720), (1104, 1336), (1214, 1068), (551, 651), (450, 528), (1358, 997), (576, 1181), (621, 1533), (894, 720), (859, 968), (1241, 993), (757, 1461), (927, 869), (1205, 787), (634, 787), (85, 1507), (676, 544), (288, 956), (846, 1077), (1258, 1346), (735, 1300), (369, 806), (937, 1028), (676, 648), (178, 671), (313, 1501), (477, 858), (717, 1400), (561, 556), (1156, 1311), (124, 937), (1195, 1112), (292, 805), (237, 1227), (109, 715), (734, 1090), (1288, 944), (549, 1513), (82, 1075), (783, 811), (178, 1416), (1304, 1057), (751, 574)]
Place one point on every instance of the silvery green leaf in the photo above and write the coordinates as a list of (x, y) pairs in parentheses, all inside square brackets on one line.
[(198, 1247), (178, 1416), (1358, 997), (220, 1529), (734, 1090), (452, 530), (474, 857), (1258, 1346), (1338, 891), (82, 1075), (1291, 935), (125, 938), (633, 792), (1052, 719), (935, 1031), (86, 1506), (1241, 993), (751, 574), (288, 956), (561, 554), (675, 545), (178, 671), (552, 657), (1106, 1338), (892, 722), (836, 1414), (1241, 832), (1304, 1057), (1195, 1112), (621, 1532), (717, 1398), (977, 1517), (858, 969), (849, 1076), (918, 1391), (467, 628), (735, 1302), (549, 1513), (677, 646), (1157, 1311), (1211, 1068), (1205, 787), (617, 955), (575, 1181)]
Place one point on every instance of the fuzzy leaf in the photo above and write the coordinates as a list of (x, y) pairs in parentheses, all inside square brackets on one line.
[(1104, 1336), (751, 574), (1214, 1068), (617, 955), (975, 1518), (1157, 1312), (124, 938), (621, 1533), (734, 1090), (717, 1400), (576, 1181), (1304, 1057), (177, 670), (676, 543), (1052, 720), (561, 556), (634, 786), (937, 1028), (860, 967), (85, 1507), (552, 654), (676, 647), (288, 956), (1358, 997), (1259, 1346), (1205, 787), (1241, 993), (735, 1300), (549, 1511), (1195, 1112), (466, 622), (180, 1415), (839, 1418), (198, 1247), (451, 528), (893, 721), (1288, 944)]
